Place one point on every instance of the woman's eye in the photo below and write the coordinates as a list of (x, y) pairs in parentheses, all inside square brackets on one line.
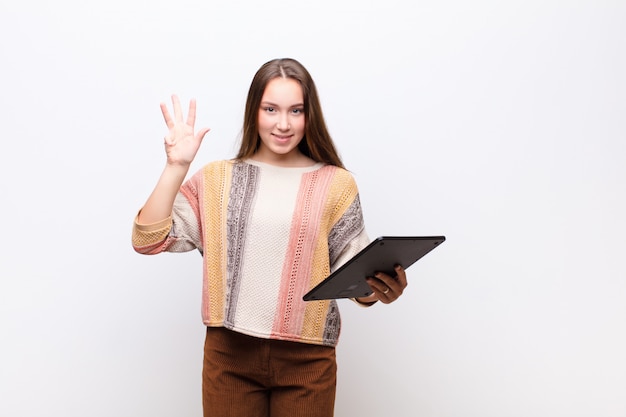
[(269, 109), (298, 111)]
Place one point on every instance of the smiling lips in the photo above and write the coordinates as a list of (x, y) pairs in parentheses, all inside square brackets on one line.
[(282, 138)]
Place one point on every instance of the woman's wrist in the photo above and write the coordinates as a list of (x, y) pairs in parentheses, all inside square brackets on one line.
[(367, 301)]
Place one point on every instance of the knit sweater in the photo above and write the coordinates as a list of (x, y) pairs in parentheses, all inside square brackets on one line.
[(268, 234)]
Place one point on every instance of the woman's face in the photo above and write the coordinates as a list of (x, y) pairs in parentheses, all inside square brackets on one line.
[(281, 123)]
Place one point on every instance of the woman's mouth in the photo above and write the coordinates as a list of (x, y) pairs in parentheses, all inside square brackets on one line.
[(282, 138)]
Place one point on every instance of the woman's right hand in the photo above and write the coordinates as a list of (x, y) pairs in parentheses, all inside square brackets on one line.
[(181, 143)]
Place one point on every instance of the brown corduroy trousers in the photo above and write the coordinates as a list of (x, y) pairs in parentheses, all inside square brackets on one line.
[(245, 376)]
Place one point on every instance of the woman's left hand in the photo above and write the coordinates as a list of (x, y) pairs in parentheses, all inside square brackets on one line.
[(386, 288)]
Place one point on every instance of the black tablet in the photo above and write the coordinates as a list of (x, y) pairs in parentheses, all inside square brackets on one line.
[(381, 255)]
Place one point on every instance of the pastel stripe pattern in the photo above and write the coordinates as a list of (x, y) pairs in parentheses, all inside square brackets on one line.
[(299, 260), (216, 180), (267, 234)]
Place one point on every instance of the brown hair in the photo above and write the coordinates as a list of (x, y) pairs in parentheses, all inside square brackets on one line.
[(317, 143)]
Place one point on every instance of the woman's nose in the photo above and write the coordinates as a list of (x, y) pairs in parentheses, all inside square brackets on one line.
[(283, 122)]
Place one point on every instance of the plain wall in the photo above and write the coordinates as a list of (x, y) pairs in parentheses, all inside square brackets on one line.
[(499, 124)]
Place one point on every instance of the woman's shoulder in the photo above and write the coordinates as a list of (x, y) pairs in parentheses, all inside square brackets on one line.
[(218, 164), (339, 173), (216, 168)]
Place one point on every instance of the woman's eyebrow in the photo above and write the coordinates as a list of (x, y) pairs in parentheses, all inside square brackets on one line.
[(269, 103)]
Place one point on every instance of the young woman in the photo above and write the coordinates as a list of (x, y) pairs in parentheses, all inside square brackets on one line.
[(271, 224)]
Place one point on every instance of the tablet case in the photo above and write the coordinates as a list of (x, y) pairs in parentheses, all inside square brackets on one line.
[(381, 255)]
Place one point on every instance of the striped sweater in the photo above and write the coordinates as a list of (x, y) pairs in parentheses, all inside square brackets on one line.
[(268, 234)]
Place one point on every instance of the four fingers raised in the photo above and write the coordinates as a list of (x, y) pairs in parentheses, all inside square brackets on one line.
[(178, 112)]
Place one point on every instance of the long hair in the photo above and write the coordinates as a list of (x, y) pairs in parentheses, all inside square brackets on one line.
[(317, 143)]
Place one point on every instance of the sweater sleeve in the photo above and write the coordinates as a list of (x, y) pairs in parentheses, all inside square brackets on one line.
[(181, 232), (148, 239), (352, 248), (347, 235)]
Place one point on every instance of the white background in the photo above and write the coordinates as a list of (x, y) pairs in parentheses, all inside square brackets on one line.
[(500, 124)]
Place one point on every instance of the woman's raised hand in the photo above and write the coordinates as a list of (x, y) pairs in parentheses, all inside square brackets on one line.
[(181, 143)]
